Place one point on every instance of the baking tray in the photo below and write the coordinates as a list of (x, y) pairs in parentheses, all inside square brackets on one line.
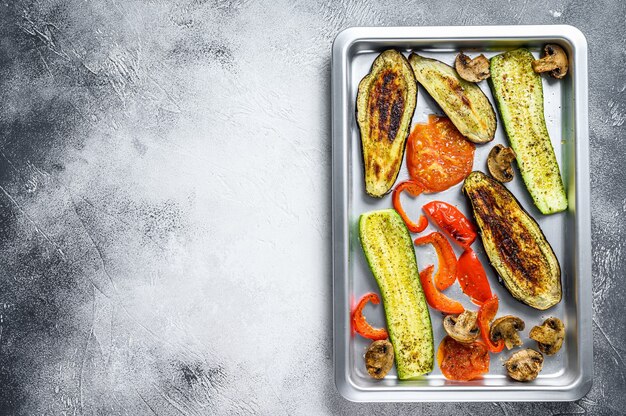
[(565, 376)]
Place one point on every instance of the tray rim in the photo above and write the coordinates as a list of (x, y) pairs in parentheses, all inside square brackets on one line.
[(580, 385)]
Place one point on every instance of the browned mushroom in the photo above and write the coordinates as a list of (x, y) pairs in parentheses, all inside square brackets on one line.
[(524, 365), (462, 328), (549, 335), (379, 358), (500, 163), (472, 70), (506, 328), (554, 60)]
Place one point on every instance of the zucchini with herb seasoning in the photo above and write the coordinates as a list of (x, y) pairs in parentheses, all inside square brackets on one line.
[(519, 94), (517, 248), (385, 103), (465, 104), (389, 252)]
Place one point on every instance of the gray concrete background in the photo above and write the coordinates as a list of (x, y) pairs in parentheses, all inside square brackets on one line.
[(165, 203)]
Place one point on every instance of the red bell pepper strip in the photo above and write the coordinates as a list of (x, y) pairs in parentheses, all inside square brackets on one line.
[(472, 277), (446, 273), (414, 189), (486, 313), (361, 326), (451, 221), (435, 298)]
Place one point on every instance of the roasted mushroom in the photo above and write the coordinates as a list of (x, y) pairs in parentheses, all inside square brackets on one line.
[(472, 70), (462, 328), (554, 60), (549, 335), (506, 328), (379, 358), (524, 365), (500, 163)]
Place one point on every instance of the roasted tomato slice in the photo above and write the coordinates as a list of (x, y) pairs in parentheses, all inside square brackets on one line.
[(463, 362), (437, 155)]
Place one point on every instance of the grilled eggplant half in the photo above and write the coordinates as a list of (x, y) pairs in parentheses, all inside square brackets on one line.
[(464, 102), (385, 104), (514, 243)]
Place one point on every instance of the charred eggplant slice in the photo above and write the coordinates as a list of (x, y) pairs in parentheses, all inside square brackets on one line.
[(516, 246), (464, 102), (385, 104)]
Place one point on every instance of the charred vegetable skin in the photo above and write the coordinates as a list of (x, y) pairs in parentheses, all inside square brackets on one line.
[(463, 102), (389, 252), (514, 243), (385, 104), (519, 94)]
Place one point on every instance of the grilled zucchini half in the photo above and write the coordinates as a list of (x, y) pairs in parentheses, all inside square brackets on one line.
[(385, 103), (519, 95), (389, 252), (514, 243), (464, 102)]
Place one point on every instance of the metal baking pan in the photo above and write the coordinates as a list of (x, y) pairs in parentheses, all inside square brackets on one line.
[(565, 376)]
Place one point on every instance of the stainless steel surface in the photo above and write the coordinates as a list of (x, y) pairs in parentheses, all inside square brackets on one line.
[(566, 376)]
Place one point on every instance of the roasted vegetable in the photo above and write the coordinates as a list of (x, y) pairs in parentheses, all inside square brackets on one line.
[(554, 60), (451, 221), (360, 324), (385, 103), (500, 163), (462, 101), (524, 365), (414, 189), (514, 243), (462, 328), (437, 154), (506, 328), (389, 252), (379, 358), (460, 361), (472, 70), (549, 335), (472, 277), (446, 266), (434, 297), (486, 313), (519, 94)]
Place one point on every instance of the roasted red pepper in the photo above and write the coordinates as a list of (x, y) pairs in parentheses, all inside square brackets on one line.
[(447, 270), (360, 324), (486, 313), (452, 222), (435, 298), (414, 189), (472, 277)]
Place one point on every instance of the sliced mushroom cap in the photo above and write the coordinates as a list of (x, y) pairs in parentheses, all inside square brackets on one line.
[(554, 60), (549, 335), (462, 328), (379, 358), (472, 70), (500, 163), (506, 328), (524, 365)]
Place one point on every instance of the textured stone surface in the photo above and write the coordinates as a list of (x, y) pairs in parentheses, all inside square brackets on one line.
[(165, 203)]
